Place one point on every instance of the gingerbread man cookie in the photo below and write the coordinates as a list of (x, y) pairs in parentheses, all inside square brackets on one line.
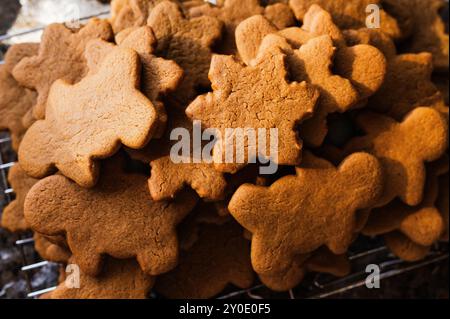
[(407, 85), (299, 204), (12, 216), (349, 14), (61, 56), (90, 120), (404, 248), (159, 76), (186, 41), (120, 279), (49, 250), (232, 12), (116, 218), (16, 101), (403, 148)]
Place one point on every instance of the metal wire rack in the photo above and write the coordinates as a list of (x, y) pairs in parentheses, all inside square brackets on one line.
[(319, 286)]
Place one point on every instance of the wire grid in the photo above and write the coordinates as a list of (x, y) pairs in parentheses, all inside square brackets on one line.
[(319, 286)]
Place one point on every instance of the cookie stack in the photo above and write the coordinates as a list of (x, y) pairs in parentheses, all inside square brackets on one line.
[(360, 113)]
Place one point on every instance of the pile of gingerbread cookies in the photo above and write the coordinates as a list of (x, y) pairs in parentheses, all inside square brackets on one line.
[(362, 121)]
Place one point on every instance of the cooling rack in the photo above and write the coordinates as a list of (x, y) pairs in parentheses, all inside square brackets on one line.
[(365, 250)]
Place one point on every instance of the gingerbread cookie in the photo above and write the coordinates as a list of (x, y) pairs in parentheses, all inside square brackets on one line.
[(321, 260), (120, 279), (403, 148), (363, 65), (169, 177), (287, 279), (115, 218), (159, 76), (280, 14), (313, 61), (404, 248), (12, 216), (422, 224), (50, 251), (270, 102), (90, 120), (130, 13), (231, 13), (186, 41), (17, 52), (16, 101), (407, 85), (325, 261), (429, 33), (59, 44), (349, 14), (221, 256), (371, 37), (300, 228)]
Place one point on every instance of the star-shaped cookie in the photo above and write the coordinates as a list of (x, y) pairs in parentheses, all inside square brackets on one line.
[(186, 41), (256, 96)]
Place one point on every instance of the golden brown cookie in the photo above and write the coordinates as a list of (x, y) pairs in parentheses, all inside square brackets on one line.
[(422, 224), (168, 177), (120, 279), (12, 216), (186, 41), (325, 261), (270, 102), (404, 248), (90, 120), (159, 76), (50, 251), (15, 100), (17, 52), (221, 256), (321, 260), (61, 56), (371, 37), (345, 76), (233, 12), (287, 218), (363, 65), (280, 14), (116, 218), (403, 148), (348, 14), (130, 13), (429, 33), (287, 280), (407, 85)]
